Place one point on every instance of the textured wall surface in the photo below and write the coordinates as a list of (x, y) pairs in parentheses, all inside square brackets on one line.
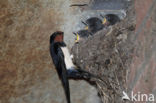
[(27, 74), (142, 77)]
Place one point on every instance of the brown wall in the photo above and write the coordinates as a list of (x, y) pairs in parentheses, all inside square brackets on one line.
[(27, 74), (142, 77)]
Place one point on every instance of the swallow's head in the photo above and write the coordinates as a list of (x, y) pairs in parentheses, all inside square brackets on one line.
[(93, 21), (56, 37), (81, 35), (110, 19)]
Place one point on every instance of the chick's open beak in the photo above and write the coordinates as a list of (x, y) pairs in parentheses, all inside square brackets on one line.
[(86, 28), (77, 38), (104, 21)]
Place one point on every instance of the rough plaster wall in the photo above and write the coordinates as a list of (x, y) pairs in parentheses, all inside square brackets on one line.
[(27, 74), (142, 76)]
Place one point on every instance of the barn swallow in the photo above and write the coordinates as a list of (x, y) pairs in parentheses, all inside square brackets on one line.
[(63, 62)]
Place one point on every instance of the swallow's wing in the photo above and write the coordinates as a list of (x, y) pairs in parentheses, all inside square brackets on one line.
[(53, 54), (63, 75)]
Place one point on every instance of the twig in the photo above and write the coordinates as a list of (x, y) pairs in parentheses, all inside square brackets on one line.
[(78, 5)]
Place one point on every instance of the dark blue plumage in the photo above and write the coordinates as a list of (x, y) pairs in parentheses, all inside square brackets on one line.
[(63, 63), (58, 60)]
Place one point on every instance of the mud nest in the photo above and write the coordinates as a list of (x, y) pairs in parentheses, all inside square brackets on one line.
[(108, 55)]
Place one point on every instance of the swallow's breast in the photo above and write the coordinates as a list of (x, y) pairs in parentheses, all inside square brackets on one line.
[(68, 61)]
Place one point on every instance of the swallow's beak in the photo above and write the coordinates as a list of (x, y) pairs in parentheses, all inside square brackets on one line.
[(86, 28), (77, 38), (104, 21)]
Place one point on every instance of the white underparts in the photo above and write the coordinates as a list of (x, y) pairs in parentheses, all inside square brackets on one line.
[(67, 58)]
